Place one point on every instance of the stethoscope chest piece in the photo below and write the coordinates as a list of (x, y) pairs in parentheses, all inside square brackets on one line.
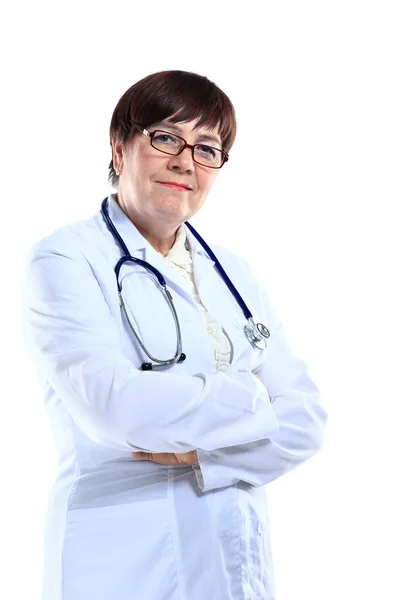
[(257, 334)]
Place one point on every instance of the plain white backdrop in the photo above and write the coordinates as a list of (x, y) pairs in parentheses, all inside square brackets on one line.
[(310, 197)]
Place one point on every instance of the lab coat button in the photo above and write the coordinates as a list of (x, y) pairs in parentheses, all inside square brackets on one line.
[(224, 534), (260, 528)]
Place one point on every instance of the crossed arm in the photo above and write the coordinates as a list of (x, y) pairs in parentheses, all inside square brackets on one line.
[(222, 423), (168, 458)]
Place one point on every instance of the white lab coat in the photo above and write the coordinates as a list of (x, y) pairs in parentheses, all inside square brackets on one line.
[(127, 529)]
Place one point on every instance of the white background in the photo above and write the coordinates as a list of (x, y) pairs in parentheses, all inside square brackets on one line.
[(310, 196)]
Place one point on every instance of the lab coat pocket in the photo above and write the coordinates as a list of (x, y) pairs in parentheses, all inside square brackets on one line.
[(258, 575), (118, 551)]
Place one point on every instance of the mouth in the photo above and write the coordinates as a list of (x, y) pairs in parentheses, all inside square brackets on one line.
[(174, 185)]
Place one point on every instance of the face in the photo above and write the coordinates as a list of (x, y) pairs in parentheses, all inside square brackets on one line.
[(145, 172)]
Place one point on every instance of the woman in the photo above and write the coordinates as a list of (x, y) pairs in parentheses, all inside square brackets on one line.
[(159, 493)]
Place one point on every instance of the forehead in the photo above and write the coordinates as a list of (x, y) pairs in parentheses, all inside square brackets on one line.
[(186, 127)]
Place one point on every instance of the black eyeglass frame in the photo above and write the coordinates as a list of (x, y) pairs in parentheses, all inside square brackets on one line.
[(225, 155)]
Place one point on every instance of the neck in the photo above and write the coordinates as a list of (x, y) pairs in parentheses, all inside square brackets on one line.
[(162, 238), (161, 241)]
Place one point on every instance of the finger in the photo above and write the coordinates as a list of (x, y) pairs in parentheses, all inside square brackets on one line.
[(160, 458)]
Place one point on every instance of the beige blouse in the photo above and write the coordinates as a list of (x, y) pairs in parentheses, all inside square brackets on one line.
[(181, 259)]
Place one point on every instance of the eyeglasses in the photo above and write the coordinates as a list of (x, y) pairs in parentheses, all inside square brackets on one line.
[(172, 144)]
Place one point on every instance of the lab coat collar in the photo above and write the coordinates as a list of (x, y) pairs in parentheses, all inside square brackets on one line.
[(139, 247), (134, 239)]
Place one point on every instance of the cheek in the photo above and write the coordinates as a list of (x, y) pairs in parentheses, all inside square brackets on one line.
[(206, 181), (141, 176), (143, 166)]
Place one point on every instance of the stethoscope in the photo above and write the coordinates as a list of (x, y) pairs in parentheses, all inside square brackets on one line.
[(255, 333)]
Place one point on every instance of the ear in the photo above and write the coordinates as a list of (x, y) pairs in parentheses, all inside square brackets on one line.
[(117, 153)]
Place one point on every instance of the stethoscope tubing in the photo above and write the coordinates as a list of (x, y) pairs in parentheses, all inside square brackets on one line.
[(126, 256), (255, 333)]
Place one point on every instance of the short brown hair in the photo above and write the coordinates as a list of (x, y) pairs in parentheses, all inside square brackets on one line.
[(185, 95)]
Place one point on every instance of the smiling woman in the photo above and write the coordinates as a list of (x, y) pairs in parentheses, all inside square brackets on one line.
[(158, 189), (160, 490), (180, 97), (161, 128)]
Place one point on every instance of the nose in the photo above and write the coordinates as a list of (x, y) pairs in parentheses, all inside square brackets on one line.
[(183, 161)]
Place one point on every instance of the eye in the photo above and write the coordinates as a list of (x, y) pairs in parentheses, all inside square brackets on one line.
[(165, 138), (206, 150)]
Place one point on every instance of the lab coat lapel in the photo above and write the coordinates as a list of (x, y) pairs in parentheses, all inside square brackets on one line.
[(202, 262), (222, 305), (217, 298)]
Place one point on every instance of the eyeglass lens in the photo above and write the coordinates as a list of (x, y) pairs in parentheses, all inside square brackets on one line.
[(172, 144)]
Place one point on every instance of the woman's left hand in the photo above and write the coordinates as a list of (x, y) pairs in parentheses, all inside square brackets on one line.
[(166, 458)]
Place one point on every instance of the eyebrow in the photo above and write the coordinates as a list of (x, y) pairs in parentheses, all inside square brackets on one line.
[(176, 128)]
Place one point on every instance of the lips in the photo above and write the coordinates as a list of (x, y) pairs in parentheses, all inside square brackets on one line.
[(176, 185)]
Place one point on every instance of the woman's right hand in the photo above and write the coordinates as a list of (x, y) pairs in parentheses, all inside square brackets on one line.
[(166, 458)]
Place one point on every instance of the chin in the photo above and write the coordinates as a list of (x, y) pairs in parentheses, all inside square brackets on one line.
[(178, 212)]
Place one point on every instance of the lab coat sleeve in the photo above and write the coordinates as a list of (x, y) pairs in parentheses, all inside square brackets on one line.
[(296, 402), (77, 347)]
